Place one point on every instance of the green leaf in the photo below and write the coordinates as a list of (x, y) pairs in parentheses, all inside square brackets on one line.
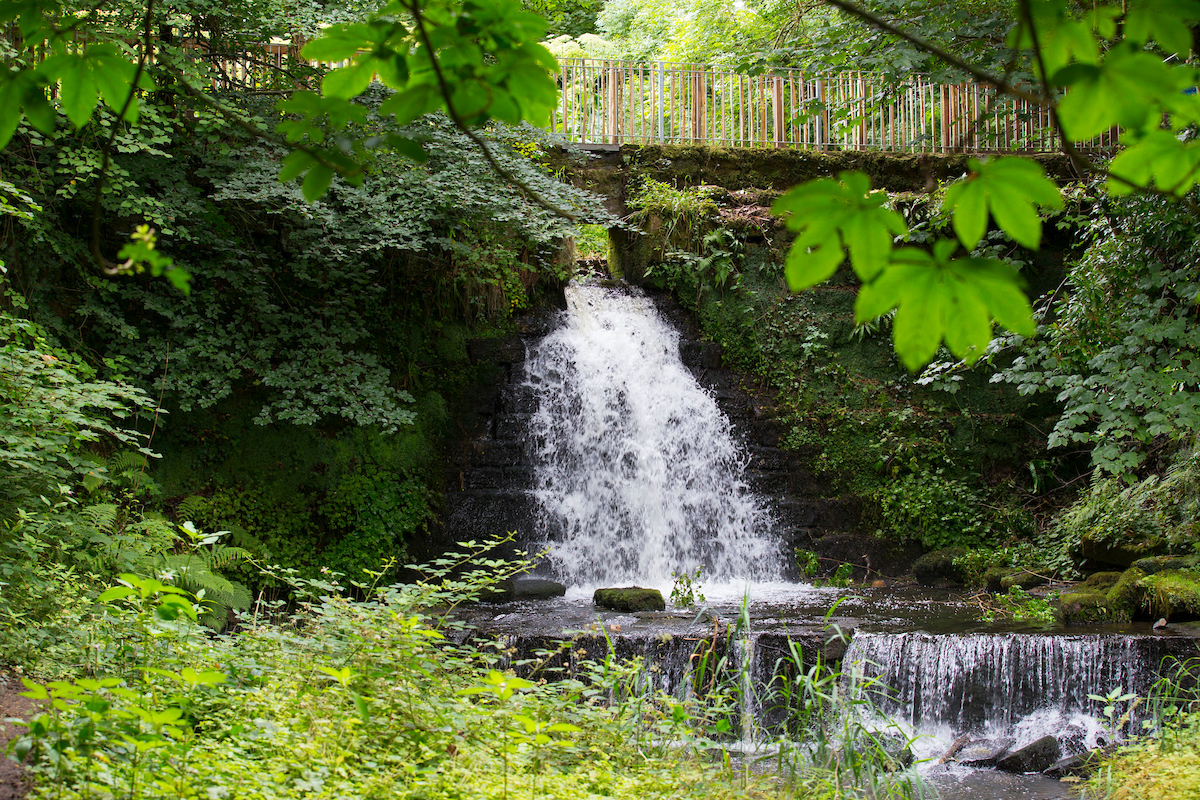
[(938, 299), (807, 266), (1168, 23), (833, 214), (339, 42), (412, 103), (316, 182), (294, 165), (407, 147), (1012, 188), (348, 82), (114, 593)]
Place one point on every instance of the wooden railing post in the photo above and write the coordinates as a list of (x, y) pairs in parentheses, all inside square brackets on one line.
[(777, 112)]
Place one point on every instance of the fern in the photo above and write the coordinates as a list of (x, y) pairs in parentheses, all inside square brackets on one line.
[(197, 572), (193, 507)]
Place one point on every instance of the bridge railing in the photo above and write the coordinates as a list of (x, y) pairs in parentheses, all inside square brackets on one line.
[(625, 102)]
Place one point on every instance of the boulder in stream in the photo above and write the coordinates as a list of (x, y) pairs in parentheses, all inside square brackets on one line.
[(938, 569), (1080, 764), (537, 589), (1034, 757), (984, 752), (630, 598)]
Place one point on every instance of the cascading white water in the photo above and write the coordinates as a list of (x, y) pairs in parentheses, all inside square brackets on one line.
[(637, 473), (1028, 685)]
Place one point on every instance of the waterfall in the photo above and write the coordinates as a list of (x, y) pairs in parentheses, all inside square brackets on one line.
[(636, 471), (990, 682)]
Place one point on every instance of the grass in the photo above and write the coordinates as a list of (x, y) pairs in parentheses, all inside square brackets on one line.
[(386, 698)]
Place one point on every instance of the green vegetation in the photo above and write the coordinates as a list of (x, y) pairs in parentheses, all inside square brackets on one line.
[(372, 698), (329, 252)]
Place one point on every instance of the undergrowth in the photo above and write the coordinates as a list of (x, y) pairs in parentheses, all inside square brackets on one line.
[(390, 697)]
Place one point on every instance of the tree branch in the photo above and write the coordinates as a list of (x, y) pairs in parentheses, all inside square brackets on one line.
[(983, 76), (107, 266), (414, 8)]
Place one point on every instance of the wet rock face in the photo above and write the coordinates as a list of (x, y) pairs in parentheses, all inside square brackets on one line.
[(1035, 757), (630, 598), (937, 569), (984, 752), (525, 589)]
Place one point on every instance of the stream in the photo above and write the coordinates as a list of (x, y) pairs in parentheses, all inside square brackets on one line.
[(636, 474)]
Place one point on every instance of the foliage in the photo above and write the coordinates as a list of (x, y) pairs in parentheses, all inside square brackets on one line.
[(685, 591), (938, 297), (1155, 513), (935, 297), (1118, 345), (1020, 606), (935, 510), (820, 37), (687, 30), (54, 407), (809, 564), (1165, 764), (348, 697), (478, 62)]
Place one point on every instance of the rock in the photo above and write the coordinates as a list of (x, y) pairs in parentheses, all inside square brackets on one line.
[(630, 598), (1034, 757), (537, 589), (1121, 554), (1082, 605), (993, 578), (1124, 600), (1102, 581), (1173, 593), (882, 556), (509, 350), (1160, 563), (984, 752), (1024, 579), (1081, 764), (938, 569)]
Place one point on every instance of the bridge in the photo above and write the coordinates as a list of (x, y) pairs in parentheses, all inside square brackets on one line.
[(606, 103), (626, 102)]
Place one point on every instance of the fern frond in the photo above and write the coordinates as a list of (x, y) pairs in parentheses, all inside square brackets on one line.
[(194, 508), (101, 516), (127, 461)]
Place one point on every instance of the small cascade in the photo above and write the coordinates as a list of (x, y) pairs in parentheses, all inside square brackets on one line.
[(636, 471), (989, 682)]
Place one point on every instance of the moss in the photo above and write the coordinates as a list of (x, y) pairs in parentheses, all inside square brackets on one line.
[(1165, 768), (783, 168), (1159, 563), (1102, 581), (1173, 592), (1022, 578), (1125, 598), (631, 598), (1083, 604)]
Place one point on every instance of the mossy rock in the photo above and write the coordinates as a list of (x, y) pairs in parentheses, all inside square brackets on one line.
[(938, 568), (1119, 554), (1083, 604), (1023, 579), (993, 577), (630, 598), (1159, 563), (1102, 581), (1172, 593), (1126, 598)]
